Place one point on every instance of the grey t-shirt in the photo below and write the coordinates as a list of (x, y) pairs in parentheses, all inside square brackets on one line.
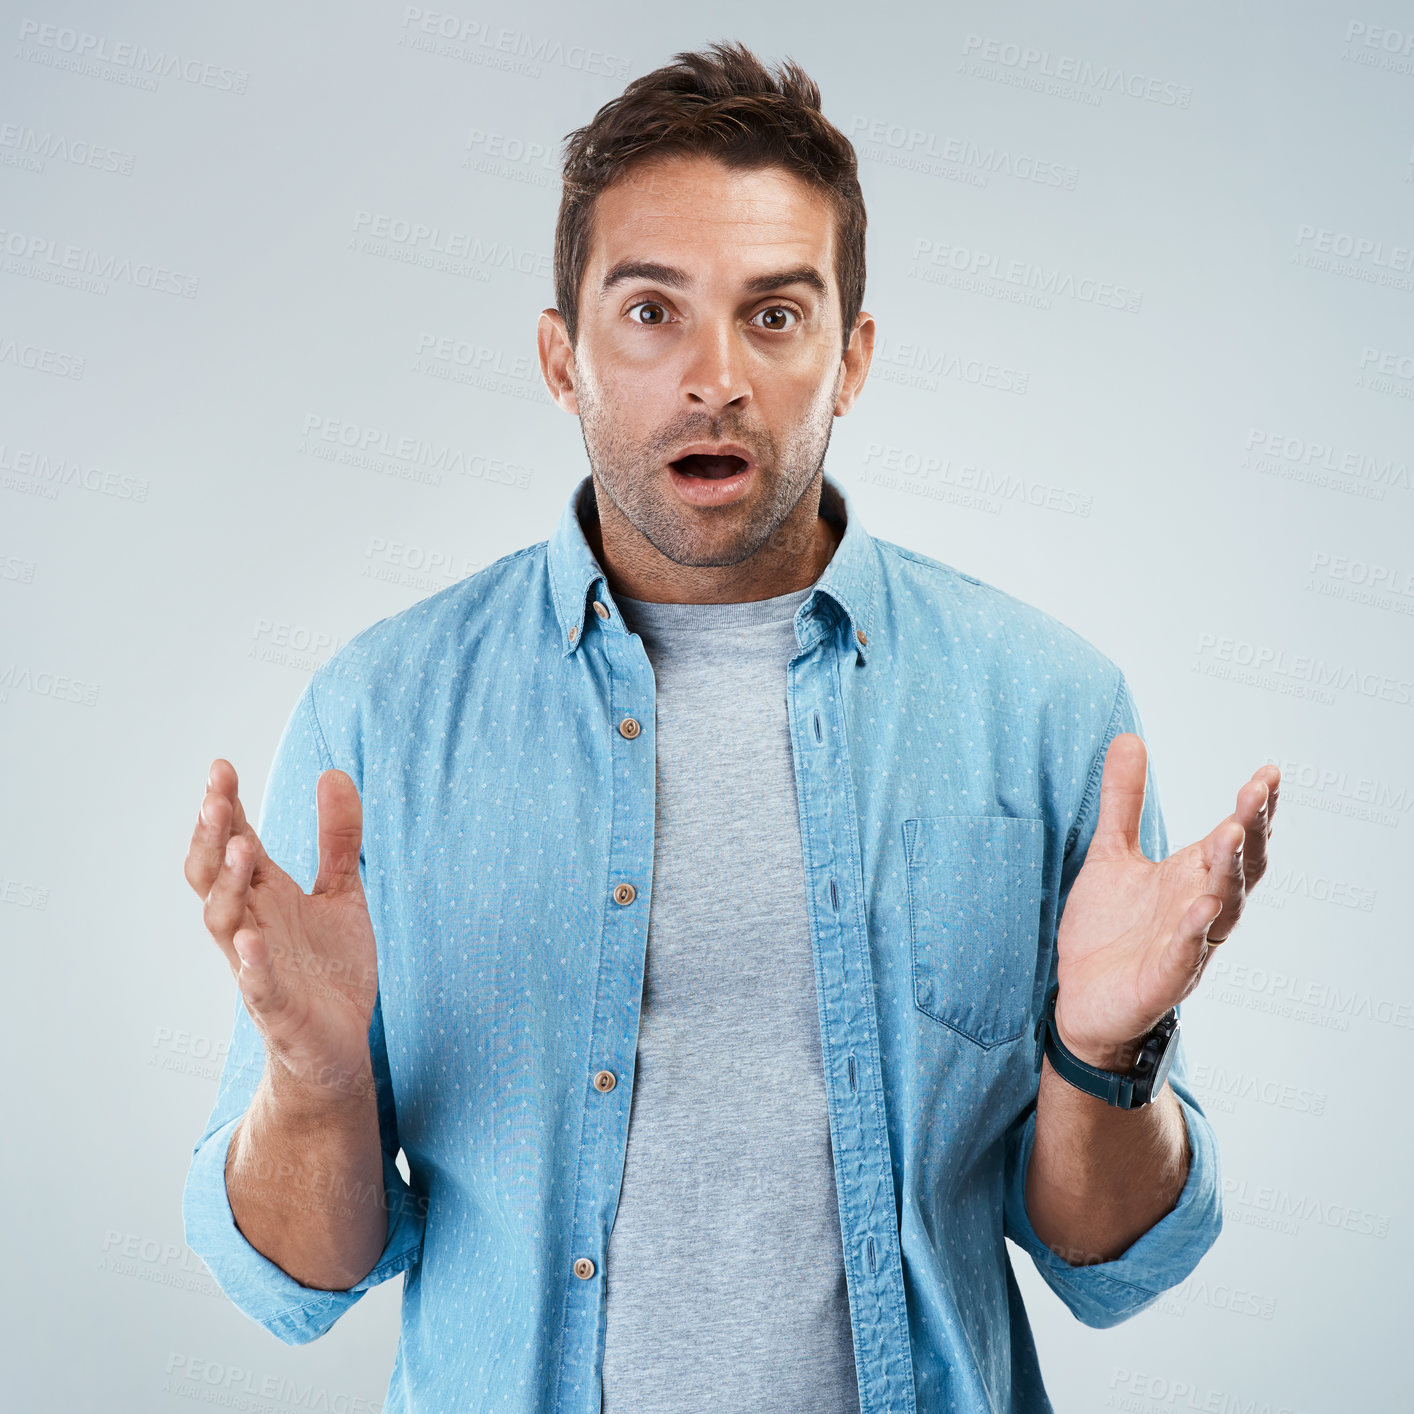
[(724, 1276)]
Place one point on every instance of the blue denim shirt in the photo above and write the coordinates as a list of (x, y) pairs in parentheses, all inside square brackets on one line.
[(947, 743)]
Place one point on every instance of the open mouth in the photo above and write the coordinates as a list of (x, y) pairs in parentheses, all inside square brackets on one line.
[(709, 468)]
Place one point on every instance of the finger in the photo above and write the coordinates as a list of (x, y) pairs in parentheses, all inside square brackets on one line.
[(340, 832), (239, 823), (220, 819), (1271, 774), (207, 850), (1254, 814), (258, 978), (1227, 880), (1121, 795), (1191, 945), (225, 908)]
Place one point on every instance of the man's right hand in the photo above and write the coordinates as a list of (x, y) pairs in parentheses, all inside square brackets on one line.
[(306, 964)]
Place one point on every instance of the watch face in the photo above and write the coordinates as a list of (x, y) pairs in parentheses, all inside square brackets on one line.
[(1161, 1069)]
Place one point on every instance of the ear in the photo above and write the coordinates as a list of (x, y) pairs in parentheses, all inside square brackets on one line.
[(857, 356), (557, 359)]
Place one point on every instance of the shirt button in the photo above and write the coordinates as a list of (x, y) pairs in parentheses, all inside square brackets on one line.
[(629, 728), (574, 633), (583, 1268), (600, 610), (604, 1081), (624, 893), (859, 634)]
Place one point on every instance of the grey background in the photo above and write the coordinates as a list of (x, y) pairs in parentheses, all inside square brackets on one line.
[(1213, 486)]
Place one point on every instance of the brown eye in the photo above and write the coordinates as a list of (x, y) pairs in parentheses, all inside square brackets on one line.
[(777, 310), (647, 304)]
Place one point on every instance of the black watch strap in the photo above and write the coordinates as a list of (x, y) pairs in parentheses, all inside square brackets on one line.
[(1126, 1091)]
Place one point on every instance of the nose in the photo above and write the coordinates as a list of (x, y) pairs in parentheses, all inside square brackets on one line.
[(715, 374)]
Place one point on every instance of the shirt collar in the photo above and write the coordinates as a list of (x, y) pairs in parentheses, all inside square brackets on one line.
[(846, 586)]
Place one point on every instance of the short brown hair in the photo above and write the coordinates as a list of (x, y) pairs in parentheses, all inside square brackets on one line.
[(724, 103)]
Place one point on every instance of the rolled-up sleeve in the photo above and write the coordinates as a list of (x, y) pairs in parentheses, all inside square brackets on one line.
[(1105, 1293), (257, 1286)]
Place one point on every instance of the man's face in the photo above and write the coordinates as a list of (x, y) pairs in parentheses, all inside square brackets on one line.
[(709, 313)]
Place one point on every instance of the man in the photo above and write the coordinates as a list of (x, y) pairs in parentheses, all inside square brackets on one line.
[(740, 923)]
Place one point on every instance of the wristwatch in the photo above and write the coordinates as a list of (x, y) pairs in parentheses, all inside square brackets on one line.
[(1126, 1091)]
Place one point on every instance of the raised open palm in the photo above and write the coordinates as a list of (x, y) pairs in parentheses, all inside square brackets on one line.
[(1136, 933), (306, 963)]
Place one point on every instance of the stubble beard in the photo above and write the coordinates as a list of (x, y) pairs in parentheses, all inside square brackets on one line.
[(634, 477)]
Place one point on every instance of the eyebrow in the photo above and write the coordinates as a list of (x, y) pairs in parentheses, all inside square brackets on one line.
[(676, 279)]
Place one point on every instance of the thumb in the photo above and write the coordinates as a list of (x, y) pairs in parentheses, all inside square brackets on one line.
[(340, 833), (1122, 795)]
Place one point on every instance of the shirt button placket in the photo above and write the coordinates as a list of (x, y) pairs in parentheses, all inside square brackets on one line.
[(605, 1122)]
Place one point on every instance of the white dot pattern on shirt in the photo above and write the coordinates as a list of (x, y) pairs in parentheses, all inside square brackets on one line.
[(481, 747)]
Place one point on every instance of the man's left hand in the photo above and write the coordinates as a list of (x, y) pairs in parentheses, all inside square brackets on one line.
[(1137, 933)]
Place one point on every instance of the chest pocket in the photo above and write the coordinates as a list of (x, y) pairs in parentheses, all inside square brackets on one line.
[(974, 907)]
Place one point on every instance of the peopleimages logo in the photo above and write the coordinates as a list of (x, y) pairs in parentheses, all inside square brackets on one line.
[(59, 687), (942, 260), (473, 41), (51, 471), (40, 359), (43, 258), (1379, 47), (1353, 247), (235, 1387), (60, 47), (1287, 881), (432, 247), (1216, 1084), (28, 147), (1356, 257), (1388, 371), (1364, 582), (1294, 674), (1094, 80), (1288, 1210), (924, 473), (1391, 41), (920, 366), (414, 566), (506, 155), (1138, 1392), (1216, 1296), (1337, 792), (1318, 463), (940, 155), (22, 895), (408, 457), (1330, 1005)]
